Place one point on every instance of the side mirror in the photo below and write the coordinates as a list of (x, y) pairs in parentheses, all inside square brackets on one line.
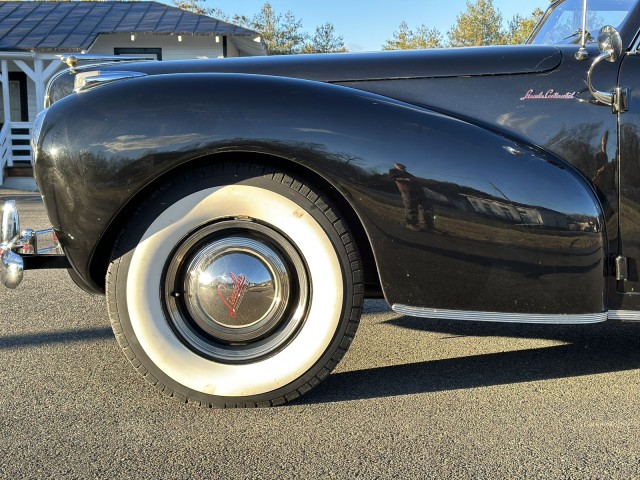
[(610, 45)]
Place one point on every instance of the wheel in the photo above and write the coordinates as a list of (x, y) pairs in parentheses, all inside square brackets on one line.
[(235, 286)]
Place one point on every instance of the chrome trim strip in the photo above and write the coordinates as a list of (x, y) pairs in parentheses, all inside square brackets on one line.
[(554, 319), (624, 315), (86, 80), (72, 59)]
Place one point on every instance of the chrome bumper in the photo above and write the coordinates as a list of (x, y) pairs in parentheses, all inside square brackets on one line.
[(19, 249)]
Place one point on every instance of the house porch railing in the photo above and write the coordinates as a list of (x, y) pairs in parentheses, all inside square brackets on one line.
[(15, 148)]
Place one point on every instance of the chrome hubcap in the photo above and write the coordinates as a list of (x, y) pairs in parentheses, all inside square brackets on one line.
[(236, 291)]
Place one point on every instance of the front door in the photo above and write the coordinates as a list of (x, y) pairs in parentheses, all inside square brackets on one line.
[(14, 101), (18, 98), (629, 185)]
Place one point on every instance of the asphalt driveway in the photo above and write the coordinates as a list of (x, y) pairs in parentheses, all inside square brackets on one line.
[(413, 398)]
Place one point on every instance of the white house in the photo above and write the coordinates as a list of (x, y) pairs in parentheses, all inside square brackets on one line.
[(33, 33)]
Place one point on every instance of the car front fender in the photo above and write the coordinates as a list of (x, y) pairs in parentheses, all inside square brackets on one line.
[(458, 216)]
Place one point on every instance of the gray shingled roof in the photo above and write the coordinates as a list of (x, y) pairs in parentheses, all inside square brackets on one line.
[(74, 26)]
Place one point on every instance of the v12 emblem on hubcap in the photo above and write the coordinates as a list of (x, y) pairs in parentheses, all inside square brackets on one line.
[(240, 286)]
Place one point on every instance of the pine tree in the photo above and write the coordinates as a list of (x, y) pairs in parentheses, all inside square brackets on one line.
[(480, 24), (325, 40), (521, 27), (407, 39)]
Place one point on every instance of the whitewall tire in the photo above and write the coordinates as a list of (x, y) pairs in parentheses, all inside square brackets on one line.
[(235, 286)]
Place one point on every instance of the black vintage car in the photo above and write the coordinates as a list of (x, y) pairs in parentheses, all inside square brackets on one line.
[(237, 212)]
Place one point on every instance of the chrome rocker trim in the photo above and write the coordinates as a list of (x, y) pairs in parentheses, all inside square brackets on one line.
[(551, 319), (624, 315)]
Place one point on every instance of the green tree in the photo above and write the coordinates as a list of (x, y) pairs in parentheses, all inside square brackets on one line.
[(325, 40), (195, 6), (407, 39), (282, 34), (521, 27), (199, 7), (480, 24)]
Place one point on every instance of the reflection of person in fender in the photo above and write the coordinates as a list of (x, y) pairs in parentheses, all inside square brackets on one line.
[(601, 156), (418, 214)]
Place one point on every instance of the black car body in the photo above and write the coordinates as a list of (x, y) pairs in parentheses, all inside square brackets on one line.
[(491, 183)]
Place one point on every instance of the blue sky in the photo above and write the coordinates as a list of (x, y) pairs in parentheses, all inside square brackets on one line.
[(366, 24)]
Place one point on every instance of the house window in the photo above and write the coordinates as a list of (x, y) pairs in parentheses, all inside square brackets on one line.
[(139, 52)]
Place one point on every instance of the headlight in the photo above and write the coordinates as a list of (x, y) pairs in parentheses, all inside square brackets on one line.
[(60, 85)]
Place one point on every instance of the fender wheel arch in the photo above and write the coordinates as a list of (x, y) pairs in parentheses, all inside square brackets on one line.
[(100, 260)]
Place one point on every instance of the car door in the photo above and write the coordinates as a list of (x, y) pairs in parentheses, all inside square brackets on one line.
[(628, 177)]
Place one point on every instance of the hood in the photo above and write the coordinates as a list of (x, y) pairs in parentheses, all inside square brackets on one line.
[(376, 65), (350, 67)]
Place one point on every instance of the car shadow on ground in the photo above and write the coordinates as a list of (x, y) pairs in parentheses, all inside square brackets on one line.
[(48, 338), (589, 349)]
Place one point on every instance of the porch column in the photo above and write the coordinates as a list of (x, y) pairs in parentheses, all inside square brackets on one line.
[(39, 81), (5, 92)]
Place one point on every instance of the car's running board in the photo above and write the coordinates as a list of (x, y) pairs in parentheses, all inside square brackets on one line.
[(554, 319)]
